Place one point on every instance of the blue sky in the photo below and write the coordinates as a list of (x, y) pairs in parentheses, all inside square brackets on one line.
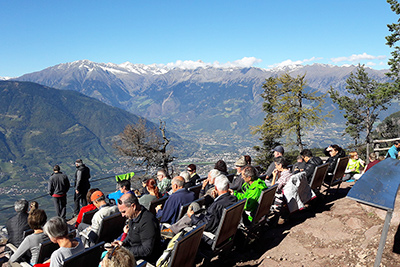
[(39, 34)]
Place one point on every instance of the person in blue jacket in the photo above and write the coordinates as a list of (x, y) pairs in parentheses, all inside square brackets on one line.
[(394, 150), (180, 196)]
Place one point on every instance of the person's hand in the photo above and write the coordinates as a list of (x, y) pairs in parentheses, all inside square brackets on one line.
[(230, 191), (158, 208), (205, 182), (190, 212), (214, 193), (116, 243), (126, 229), (275, 172), (76, 191)]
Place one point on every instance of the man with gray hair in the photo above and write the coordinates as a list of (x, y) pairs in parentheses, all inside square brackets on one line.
[(180, 196), (164, 183), (213, 214), (17, 224), (208, 184)]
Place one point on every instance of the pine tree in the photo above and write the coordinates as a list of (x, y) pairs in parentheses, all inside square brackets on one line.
[(362, 103), (392, 39), (289, 112)]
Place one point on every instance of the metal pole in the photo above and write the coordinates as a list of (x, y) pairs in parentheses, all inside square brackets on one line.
[(382, 242)]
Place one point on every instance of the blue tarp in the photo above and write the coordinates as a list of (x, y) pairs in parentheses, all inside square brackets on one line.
[(378, 186)]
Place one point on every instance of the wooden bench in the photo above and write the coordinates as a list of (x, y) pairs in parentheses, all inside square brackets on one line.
[(46, 248), (87, 216), (90, 257), (184, 208), (265, 202), (186, 247), (225, 234), (230, 177), (318, 177), (157, 202), (196, 190), (111, 228), (337, 177)]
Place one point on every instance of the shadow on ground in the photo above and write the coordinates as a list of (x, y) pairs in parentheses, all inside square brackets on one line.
[(245, 254)]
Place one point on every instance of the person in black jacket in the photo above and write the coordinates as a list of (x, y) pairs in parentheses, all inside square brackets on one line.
[(335, 152), (143, 238), (17, 224), (213, 214), (311, 163), (82, 185), (191, 168), (58, 188)]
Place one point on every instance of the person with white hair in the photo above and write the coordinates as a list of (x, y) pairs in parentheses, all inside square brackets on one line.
[(57, 230), (207, 188), (213, 214), (186, 176)]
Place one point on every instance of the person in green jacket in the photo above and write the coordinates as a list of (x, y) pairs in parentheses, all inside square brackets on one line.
[(252, 189)]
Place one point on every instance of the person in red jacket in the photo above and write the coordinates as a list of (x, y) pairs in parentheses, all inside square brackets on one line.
[(86, 208)]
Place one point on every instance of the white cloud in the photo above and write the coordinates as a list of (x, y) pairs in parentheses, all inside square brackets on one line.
[(245, 62), (289, 62), (359, 57)]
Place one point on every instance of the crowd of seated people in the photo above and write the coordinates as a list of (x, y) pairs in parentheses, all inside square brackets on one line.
[(142, 236)]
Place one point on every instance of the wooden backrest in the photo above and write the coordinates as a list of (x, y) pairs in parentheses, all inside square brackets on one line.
[(26, 233), (264, 204), (111, 228), (230, 177), (142, 264), (46, 248), (319, 176), (196, 189), (157, 202), (185, 249), (228, 225), (340, 168), (184, 208), (87, 216), (90, 257)]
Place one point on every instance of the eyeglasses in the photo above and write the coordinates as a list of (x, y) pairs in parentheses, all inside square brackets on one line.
[(189, 170), (112, 252)]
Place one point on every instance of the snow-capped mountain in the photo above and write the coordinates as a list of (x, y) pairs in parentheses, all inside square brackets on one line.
[(202, 99)]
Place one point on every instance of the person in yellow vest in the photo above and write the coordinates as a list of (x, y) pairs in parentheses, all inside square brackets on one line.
[(354, 167)]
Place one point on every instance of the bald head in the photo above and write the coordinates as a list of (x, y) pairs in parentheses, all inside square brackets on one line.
[(179, 181)]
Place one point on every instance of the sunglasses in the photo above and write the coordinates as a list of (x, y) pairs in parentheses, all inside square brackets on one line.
[(112, 252)]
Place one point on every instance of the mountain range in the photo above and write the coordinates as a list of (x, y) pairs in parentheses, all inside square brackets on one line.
[(42, 126), (214, 106)]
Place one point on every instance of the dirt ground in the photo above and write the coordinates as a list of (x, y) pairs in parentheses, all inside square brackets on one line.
[(335, 232)]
